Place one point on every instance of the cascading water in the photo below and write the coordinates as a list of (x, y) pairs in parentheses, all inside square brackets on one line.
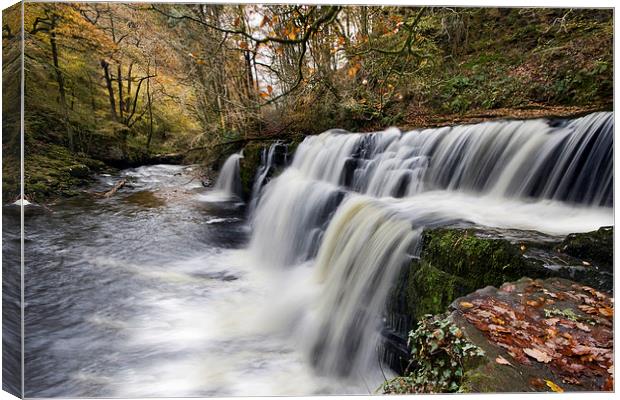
[(352, 206), (275, 155), (228, 184)]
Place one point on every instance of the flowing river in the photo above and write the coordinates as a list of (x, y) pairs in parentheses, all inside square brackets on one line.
[(168, 289)]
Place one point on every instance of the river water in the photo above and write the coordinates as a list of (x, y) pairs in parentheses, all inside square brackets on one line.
[(134, 296), (169, 289)]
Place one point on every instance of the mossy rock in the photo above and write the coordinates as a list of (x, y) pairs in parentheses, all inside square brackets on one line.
[(78, 171), (248, 165), (457, 261), (595, 247)]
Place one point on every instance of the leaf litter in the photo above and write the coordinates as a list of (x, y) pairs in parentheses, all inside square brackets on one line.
[(566, 326)]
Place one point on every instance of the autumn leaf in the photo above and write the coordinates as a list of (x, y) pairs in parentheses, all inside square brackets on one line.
[(582, 326), (501, 360), (554, 387), (465, 305), (264, 95), (352, 72), (292, 35), (269, 89), (538, 355), (264, 21), (606, 312), (243, 45), (533, 303)]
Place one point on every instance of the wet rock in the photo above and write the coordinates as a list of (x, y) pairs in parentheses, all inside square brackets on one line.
[(79, 171), (538, 335), (594, 247), (456, 261)]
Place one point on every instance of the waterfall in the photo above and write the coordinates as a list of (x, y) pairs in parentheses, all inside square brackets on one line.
[(229, 182), (269, 160), (352, 206)]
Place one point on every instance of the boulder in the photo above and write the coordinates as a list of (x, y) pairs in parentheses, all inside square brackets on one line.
[(459, 260)]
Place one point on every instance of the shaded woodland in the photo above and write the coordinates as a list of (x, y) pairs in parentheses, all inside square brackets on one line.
[(116, 84)]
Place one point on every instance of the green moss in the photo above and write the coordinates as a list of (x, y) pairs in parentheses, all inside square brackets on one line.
[(480, 261), (455, 262), (53, 171), (248, 166), (430, 290)]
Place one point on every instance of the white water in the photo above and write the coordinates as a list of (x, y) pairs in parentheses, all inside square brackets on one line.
[(228, 184), (351, 208), (329, 236)]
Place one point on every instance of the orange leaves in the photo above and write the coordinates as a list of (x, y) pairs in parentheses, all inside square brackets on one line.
[(267, 93), (574, 340), (264, 21), (352, 71)]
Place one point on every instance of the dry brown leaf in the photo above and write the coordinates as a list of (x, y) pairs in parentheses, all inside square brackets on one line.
[(606, 311), (582, 326), (501, 360), (538, 355)]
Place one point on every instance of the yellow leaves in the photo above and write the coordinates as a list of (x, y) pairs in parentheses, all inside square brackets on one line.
[(292, 35), (554, 387), (264, 95), (465, 305)]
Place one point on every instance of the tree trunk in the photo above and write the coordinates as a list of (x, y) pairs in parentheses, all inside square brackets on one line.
[(119, 79), (149, 100), (108, 82), (61, 84)]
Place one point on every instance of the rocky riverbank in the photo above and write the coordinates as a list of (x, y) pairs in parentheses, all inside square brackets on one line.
[(468, 264)]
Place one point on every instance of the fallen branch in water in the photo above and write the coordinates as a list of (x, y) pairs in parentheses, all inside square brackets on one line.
[(115, 189)]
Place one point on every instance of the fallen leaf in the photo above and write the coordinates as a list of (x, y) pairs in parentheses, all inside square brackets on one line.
[(554, 387), (465, 305), (587, 309), (582, 326), (571, 380), (551, 321), (501, 360), (538, 355), (606, 312)]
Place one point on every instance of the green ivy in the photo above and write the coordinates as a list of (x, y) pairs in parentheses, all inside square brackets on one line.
[(439, 354)]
